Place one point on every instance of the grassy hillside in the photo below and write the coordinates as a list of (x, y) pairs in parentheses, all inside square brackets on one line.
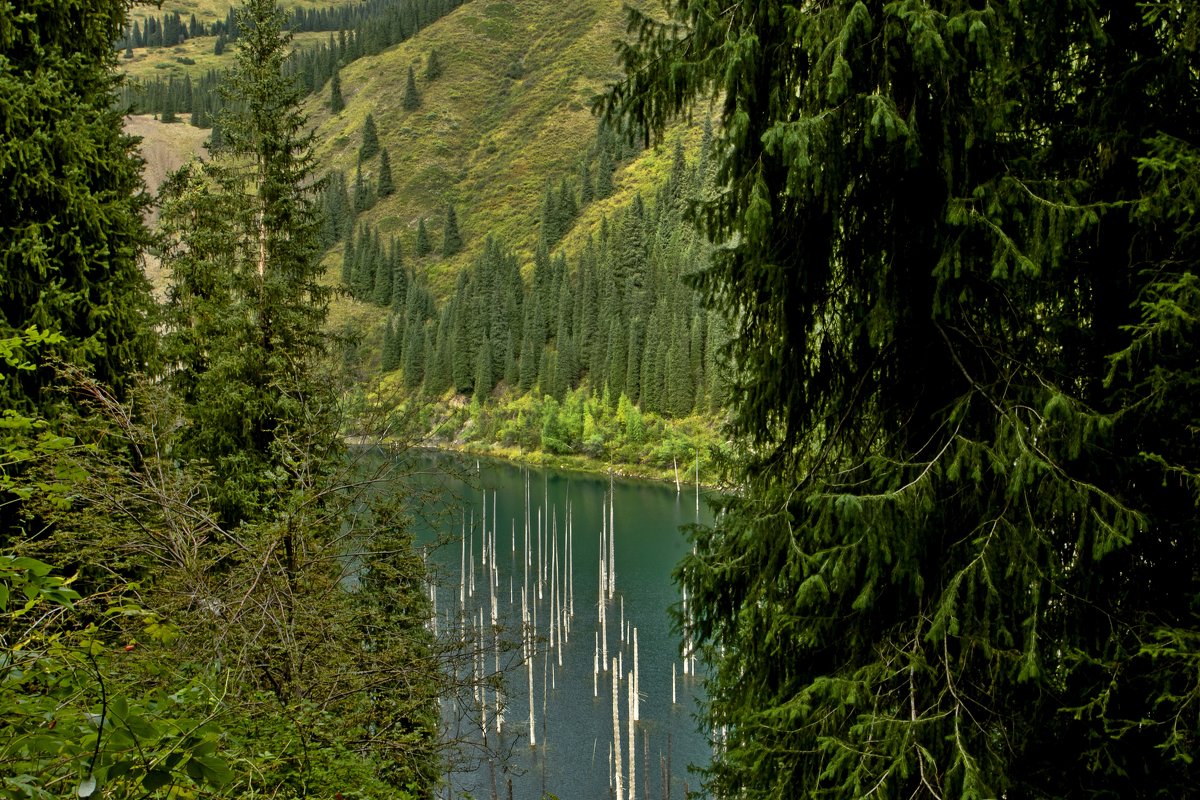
[(511, 109), (193, 57), (209, 10), (165, 148)]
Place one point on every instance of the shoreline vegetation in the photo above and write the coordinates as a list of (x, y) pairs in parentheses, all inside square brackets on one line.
[(586, 432)]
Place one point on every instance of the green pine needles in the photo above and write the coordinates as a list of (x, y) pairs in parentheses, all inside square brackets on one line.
[(246, 321), (71, 197), (958, 247)]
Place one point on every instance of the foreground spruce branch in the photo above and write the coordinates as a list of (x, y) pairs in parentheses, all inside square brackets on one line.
[(958, 245)]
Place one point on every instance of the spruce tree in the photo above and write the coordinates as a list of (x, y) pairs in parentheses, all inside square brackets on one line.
[(422, 246), (336, 102), (414, 354), (370, 140), (531, 355), (362, 192), (400, 279), (349, 259), (389, 353), (485, 379), (438, 371), (71, 197), (604, 175), (550, 218), (412, 98), (381, 293), (677, 370), (962, 559), (587, 189), (635, 353), (512, 358), (451, 239), (385, 186), (246, 354), (433, 66), (168, 108), (260, 301)]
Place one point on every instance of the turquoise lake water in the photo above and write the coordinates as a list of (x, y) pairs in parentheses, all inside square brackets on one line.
[(573, 706)]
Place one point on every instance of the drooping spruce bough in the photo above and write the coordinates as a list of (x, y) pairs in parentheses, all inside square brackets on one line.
[(958, 241)]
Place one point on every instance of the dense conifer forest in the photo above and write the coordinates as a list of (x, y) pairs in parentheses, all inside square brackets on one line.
[(617, 326)]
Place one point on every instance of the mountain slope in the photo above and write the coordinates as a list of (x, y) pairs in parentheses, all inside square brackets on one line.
[(510, 111)]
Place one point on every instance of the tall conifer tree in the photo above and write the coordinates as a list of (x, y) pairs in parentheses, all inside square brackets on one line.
[(451, 239), (433, 66), (336, 102), (248, 373), (370, 139), (963, 562), (422, 246), (412, 97), (70, 195), (386, 187)]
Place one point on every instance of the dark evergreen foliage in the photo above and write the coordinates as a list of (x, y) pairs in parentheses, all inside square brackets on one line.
[(587, 189), (248, 363), (559, 210), (385, 187), (245, 283), (388, 351), (604, 175), (364, 193), (71, 197), (336, 210), (433, 66), (957, 252), (372, 272), (370, 139), (168, 111), (363, 29), (451, 238), (585, 324), (412, 98), (423, 246), (336, 102)]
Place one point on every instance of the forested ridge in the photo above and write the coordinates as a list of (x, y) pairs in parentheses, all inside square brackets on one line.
[(578, 357), (624, 283)]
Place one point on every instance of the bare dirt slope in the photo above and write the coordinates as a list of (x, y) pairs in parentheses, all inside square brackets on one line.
[(165, 148)]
